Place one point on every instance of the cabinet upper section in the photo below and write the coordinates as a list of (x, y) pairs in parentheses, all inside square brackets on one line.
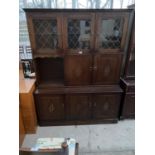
[(61, 31)]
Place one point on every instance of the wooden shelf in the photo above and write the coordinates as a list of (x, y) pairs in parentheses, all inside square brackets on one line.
[(52, 83)]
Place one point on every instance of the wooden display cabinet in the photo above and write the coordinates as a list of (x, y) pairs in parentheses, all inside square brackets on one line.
[(78, 56)]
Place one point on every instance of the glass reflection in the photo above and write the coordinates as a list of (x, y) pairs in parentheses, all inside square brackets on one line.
[(111, 33), (79, 34)]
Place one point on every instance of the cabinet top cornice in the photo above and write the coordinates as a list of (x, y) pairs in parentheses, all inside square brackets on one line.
[(74, 10)]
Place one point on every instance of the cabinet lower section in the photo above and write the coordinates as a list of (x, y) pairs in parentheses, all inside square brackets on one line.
[(70, 106)]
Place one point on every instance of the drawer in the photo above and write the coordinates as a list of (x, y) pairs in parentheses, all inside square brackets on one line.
[(129, 105), (106, 106), (50, 107)]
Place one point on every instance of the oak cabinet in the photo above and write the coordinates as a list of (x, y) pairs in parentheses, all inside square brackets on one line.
[(78, 56)]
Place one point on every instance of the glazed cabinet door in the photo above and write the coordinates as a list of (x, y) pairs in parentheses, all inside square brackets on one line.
[(78, 31), (50, 107), (78, 107), (111, 31), (106, 106), (77, 69), (45, 33), (106, 68)]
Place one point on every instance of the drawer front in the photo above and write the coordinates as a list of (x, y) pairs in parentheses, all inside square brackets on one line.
[(106, 106), (50, 107), (129, 105)]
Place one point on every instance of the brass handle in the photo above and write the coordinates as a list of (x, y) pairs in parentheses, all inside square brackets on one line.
[(51, 108), (90, 68), (95, 67), (63, 105)]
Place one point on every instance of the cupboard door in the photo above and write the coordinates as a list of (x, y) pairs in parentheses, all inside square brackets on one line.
[(129, 106), (50, 107), (78, 30), (111, 30), (106, 106), (106, 69), (45, 32), (78, 107), (78, 69)]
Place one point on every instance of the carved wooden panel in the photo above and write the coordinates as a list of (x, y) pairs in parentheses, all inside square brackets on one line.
[(78, 69), (78, 107), (50, 107), (106, 106), (107, 68)]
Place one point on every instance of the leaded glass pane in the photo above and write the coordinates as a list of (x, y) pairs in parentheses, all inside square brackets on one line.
[(79, 32), (46, 34), (111, 33)]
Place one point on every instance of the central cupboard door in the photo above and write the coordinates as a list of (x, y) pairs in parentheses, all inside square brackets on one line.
[(107, 68), (77, 69), (78, 107)]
